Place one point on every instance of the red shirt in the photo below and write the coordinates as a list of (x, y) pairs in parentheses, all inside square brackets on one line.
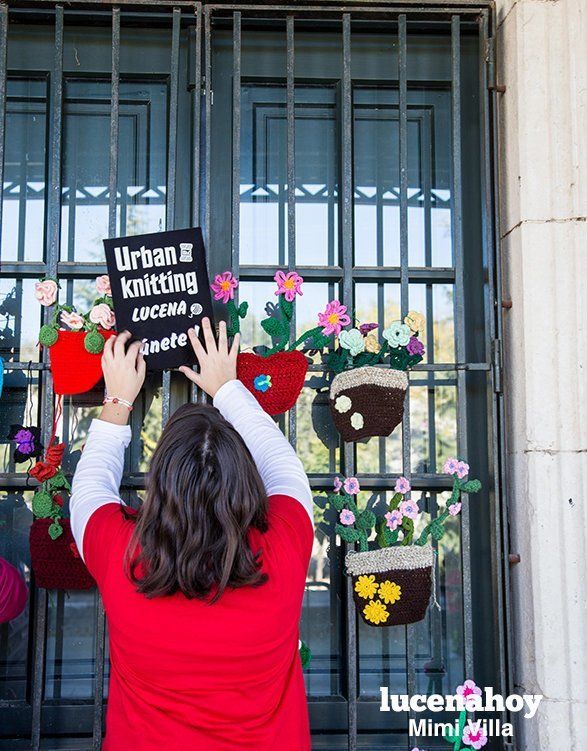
[(188, 675)]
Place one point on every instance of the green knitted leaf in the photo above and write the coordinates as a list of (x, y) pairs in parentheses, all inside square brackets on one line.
[(337, 501), (243, 309), (55, 530), (274, 328), (386, 536), (94, 342), (58, 481), (305, 655), (408, 530), (337, 360), (472, 486), (319, 341), (436, 530), (48, 335), (286, 307), (366, 521), (42, 504), (347, 533), (395, 501)]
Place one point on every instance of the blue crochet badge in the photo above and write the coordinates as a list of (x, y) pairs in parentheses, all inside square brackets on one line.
[(262, 383)]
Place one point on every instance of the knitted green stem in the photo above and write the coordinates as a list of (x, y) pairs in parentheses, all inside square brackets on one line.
[(233, 326), (311, 334)]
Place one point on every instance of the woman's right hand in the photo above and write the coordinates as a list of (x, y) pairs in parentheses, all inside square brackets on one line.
[(217, 362)]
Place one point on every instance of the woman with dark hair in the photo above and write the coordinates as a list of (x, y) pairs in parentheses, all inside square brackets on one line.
[(203, 585)]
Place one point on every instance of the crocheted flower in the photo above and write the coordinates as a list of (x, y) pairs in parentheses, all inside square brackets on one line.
[(450, 466), (224, 286), (389, 592), (351, 486), (454, 508), (346, 517), (415, 321), (333, 318), (357, 420), (415, 346), (394, 518), (42, 471), (289, 284), (26, 440), (409, 509), (397, 335), (366, 586), (103, 285), (103, 316), (365, 328), (474, 736), (462, 470), (262, 383), (337, 484), (342, 404), (372, 343), (72, 320), (468, 690), (376, 612), (352, 340), (46, 291), (402, 485)]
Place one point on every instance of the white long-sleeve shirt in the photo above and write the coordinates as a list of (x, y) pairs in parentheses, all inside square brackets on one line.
[(98, 475)]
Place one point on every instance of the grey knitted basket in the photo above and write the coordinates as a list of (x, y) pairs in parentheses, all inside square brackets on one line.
[(392, 586)]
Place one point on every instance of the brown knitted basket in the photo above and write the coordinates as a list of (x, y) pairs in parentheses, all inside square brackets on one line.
[(57, 563), (392, 586), (368, 401)]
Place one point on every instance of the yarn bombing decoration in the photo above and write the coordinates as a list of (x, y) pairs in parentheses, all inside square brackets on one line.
[(392, 582), (76, 340), (367, 401), (13, 592), (28, 442), (276, 375)]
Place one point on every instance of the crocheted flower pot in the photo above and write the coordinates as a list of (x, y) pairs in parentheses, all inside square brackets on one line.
[(368, 401), (274, 381), (74, 369), (391, 586), (57, 563)]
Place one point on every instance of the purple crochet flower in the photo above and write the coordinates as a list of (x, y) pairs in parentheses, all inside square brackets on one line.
[(25, 440), (347, 517), (415, 346), (365, 328), (351, 486)]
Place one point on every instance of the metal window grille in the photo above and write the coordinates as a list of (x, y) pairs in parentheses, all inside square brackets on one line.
[(195, 90)]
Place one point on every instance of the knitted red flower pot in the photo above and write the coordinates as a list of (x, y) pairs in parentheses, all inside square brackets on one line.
[(74, 369), (368, 401), (274, 381), (57, 563), (392, 586)]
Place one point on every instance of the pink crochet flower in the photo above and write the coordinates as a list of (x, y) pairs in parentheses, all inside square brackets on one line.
[(46, 291), (337, 484), (351, 486), (393, 518), (224, 286), (72, 320), (468, 690), (347, 517), (409, 509), (474, 735), (450, 466), (462, 470), (402, 485), (289, 284), (454, 508), (103, 316), (415, 346), (333, 318), (103, 285)]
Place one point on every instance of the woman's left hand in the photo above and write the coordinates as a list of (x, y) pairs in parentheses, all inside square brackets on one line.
[(124, 367)]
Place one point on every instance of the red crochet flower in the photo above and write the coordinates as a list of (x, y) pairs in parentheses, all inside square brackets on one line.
[(43, 471)]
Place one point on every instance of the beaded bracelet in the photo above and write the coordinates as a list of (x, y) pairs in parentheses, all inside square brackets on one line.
[(118, 400)]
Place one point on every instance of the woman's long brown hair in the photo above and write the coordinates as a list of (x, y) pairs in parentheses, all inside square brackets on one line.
[(203, 495)]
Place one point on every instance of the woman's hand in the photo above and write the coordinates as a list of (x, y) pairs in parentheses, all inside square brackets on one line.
[(217, 363), (124, 371)]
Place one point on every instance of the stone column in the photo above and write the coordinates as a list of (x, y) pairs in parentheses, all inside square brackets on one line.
[(542, 60)]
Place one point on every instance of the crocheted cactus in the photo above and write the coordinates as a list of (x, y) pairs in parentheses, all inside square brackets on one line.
[(42, 504), (94, 342), (353, 525)]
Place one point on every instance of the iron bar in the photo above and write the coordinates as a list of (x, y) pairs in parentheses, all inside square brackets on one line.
[(196, 145), (207, 125), (3, 93), (236, 140)]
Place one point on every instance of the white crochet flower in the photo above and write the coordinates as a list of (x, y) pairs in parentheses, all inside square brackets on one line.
[(357, 420), (342, 404)]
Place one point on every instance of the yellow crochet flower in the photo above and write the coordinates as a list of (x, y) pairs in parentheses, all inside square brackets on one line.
[(415, 321), (376, 612), (366, 587), (390, 592), (372, 343)]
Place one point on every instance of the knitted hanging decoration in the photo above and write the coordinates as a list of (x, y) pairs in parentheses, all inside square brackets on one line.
[(276, 375), (305, 654), (13, 592), (366, 400), (76, 340), (393, 581)]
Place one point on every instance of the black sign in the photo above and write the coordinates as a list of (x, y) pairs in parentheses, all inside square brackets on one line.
[(160, 289)]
